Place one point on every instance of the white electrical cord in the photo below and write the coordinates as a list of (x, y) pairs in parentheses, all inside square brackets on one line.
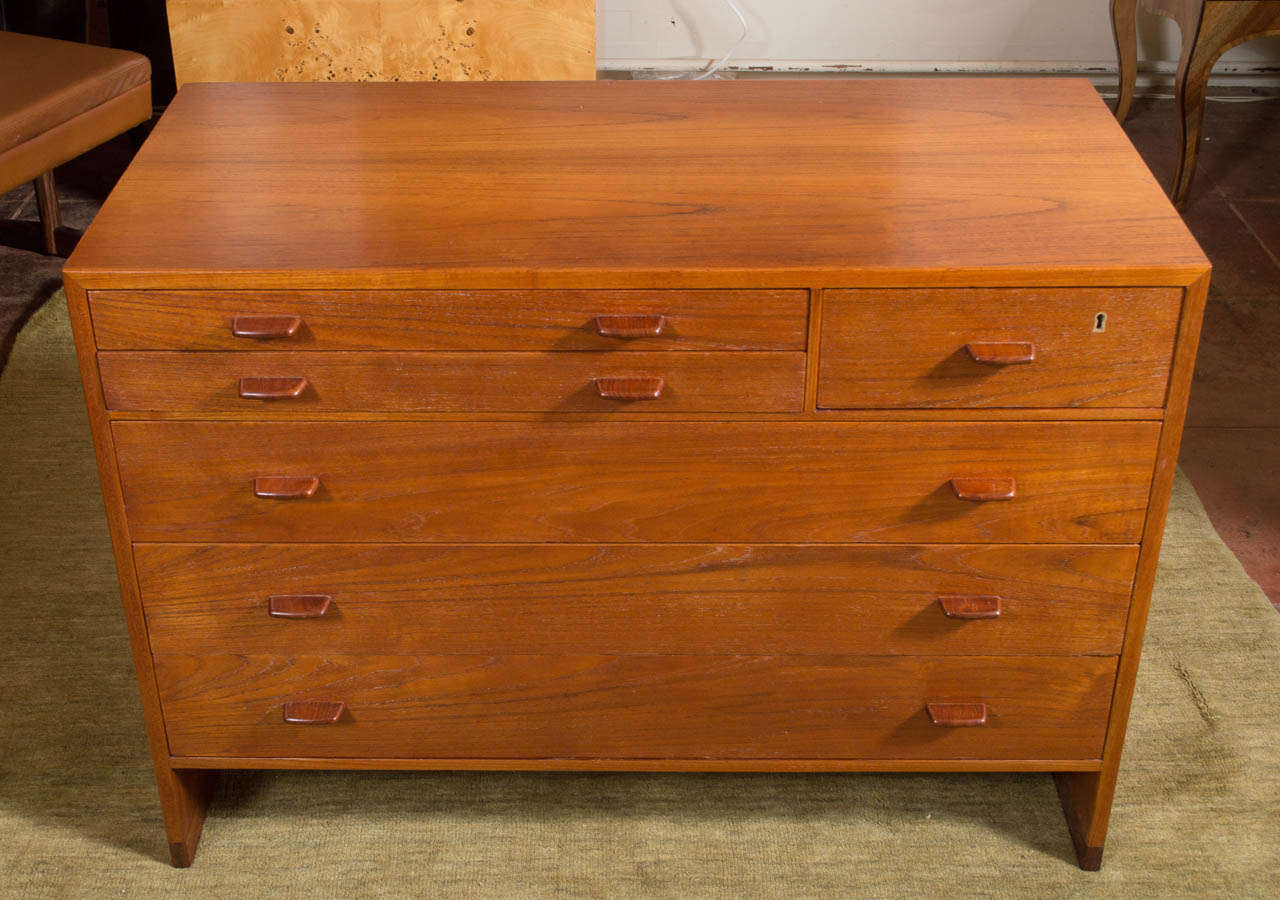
[(719, 63)]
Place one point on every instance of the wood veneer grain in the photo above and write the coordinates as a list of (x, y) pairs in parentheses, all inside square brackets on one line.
[(634, 706), (397, 598), (638, 184), (907, 348), (451, 320), (451, 382), (688, 481)]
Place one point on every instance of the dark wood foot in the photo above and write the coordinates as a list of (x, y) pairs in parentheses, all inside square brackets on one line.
[(1089, 858), (184, 796), (1086, 802), (182, 855), (50, 214)]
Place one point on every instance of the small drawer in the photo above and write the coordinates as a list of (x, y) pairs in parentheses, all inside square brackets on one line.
[(450, 320), (532, 706), (890, 599), (282, 384), (1045, 347), (637, 481)]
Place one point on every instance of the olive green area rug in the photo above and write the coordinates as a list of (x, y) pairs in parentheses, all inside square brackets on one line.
[(1197, 812)]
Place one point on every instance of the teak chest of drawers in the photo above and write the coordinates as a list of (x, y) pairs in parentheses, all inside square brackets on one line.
[(788, 426)]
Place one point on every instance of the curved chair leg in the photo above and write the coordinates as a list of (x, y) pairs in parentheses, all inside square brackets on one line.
[(1124, 25), (1222, 25), (1198, 57)]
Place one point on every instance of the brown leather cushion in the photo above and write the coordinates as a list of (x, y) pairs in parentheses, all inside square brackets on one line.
[(44, 83)]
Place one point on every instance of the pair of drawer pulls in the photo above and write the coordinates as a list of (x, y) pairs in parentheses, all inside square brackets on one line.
[(276, 327), (316, 606), (330, 712), (977, 489), (287, 387)]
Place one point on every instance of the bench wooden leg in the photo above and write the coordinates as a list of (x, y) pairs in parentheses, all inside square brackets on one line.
[(50, 215)]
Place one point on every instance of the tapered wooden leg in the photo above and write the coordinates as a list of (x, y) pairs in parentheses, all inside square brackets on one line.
[(184, 798), (1086, 802), (50, 215), (1124, 25)]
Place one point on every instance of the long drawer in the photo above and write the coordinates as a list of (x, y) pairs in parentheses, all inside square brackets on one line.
[(1005, 347), (587, 706), (296, 383), (636, 481), (450, 320), (668, 598)]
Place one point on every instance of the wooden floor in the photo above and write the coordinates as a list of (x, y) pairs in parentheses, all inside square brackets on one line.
[(1232, 446)]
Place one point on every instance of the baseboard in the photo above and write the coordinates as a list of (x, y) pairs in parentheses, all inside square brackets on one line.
[(1151, 74)]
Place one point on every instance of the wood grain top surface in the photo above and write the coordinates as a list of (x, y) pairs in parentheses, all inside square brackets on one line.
[(614, 183)]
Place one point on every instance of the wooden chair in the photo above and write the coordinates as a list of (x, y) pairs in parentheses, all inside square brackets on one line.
[(57, 100), (1209, 29), (382, 40)]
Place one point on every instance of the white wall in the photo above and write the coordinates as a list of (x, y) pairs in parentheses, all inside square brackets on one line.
[(892, 35)]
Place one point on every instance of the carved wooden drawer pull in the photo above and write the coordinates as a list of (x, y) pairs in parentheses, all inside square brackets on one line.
[(957, 715), (970, 607), (271, 387), (1002, 353), (984, 487), (265, 327), (630, 387), (285, 487), (298, 606), (314, 712), (630, 326)]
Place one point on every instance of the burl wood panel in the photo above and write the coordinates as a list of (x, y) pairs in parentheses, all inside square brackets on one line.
[(450, 382), (382, 40), (638, 184), (460, 482), (583, 705), (1108, 347), (720, 598), (451, 320)]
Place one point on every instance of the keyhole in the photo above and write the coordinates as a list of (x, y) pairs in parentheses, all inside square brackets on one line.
[(1100, 322)]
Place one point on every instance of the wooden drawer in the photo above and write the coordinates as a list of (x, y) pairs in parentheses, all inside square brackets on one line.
[(451, 320), (952, 348), (452, 382), (590, 706), (634, 481), (672, 598)]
